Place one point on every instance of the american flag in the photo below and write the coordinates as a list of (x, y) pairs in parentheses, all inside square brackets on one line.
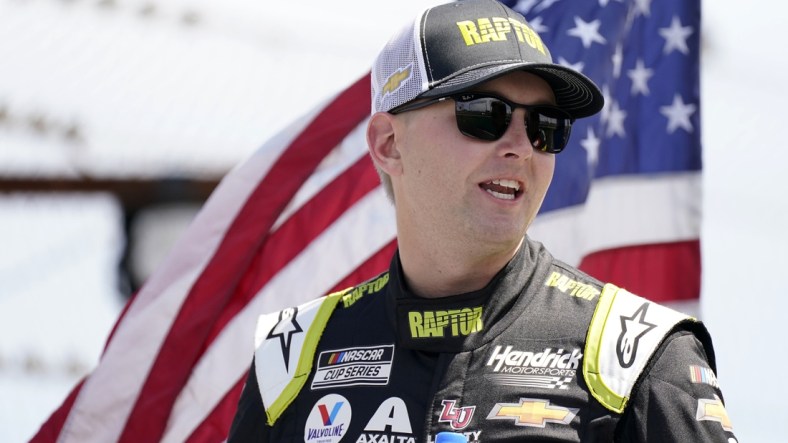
[(626, 197), (305, 215)]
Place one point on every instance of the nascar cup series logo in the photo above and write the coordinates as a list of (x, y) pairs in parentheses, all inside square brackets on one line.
[(329, 420), (549, 368), (369, 365)]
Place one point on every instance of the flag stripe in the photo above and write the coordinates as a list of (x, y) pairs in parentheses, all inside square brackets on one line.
[(352, 149), (52, 427), (663, 272), (110, 389), (280, 249), (217, 424), (297, 232), (149, 317), (670, 214), (621, 237), (181, 348), (374, 265), (294, 236), (220, 418), (347, 244)]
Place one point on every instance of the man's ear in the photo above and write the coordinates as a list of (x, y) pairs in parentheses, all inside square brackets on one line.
[(382, 143)]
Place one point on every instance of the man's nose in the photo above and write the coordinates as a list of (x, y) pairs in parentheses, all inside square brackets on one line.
[(515, 142)]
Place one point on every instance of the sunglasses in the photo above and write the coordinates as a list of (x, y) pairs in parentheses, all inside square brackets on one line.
[(486, 117)]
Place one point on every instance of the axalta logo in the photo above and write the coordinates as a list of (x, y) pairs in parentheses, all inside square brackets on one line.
[(533, 412), (497, 29), (571, 287), (506, 359), (329, 420), (362, 366), (450, 323), (389, 424), (396, 80)]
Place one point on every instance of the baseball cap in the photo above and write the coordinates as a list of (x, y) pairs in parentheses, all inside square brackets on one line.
[(456, 46)]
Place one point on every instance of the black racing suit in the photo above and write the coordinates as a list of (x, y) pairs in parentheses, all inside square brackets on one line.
[(504, 363)]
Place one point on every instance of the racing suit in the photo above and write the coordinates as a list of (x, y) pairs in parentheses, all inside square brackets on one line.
[(542, 353)]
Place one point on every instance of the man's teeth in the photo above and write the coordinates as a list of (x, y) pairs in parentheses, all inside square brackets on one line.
[(501, 195), (503, 188), (508, 183)]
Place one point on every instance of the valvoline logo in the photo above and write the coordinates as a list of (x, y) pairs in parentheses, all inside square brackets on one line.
[(328, 417), (329, 420)]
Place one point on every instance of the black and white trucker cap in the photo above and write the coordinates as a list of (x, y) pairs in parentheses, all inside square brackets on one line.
[(453, 47)]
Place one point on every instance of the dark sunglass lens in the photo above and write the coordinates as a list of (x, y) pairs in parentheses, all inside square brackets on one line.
[(501, 115), (483, 118), (487, 118), (535, 131), (548, 132)]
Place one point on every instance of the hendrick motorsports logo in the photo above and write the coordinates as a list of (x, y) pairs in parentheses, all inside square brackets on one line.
[(369, 365), (549, 369)]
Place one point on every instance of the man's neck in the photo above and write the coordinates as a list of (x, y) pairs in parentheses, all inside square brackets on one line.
[(441, 272)]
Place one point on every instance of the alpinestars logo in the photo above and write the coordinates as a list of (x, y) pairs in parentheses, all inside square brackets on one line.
[(632, 330), (284, 330), (548, 369), (457, 418)]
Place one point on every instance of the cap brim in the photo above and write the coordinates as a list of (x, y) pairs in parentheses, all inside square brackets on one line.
[(574, 92)]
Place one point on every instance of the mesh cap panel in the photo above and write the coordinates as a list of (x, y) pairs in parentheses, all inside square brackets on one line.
[(398, 72)]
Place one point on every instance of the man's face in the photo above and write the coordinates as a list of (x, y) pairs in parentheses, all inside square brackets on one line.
[(456, 186)]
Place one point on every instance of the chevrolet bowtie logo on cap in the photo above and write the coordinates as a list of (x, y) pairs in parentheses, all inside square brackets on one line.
[(532, 412), (396, 79)]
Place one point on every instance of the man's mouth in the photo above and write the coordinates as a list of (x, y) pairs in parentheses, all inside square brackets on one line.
[(502, 188)]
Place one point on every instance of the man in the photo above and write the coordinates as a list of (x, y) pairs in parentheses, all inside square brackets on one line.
[(475, 328)]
